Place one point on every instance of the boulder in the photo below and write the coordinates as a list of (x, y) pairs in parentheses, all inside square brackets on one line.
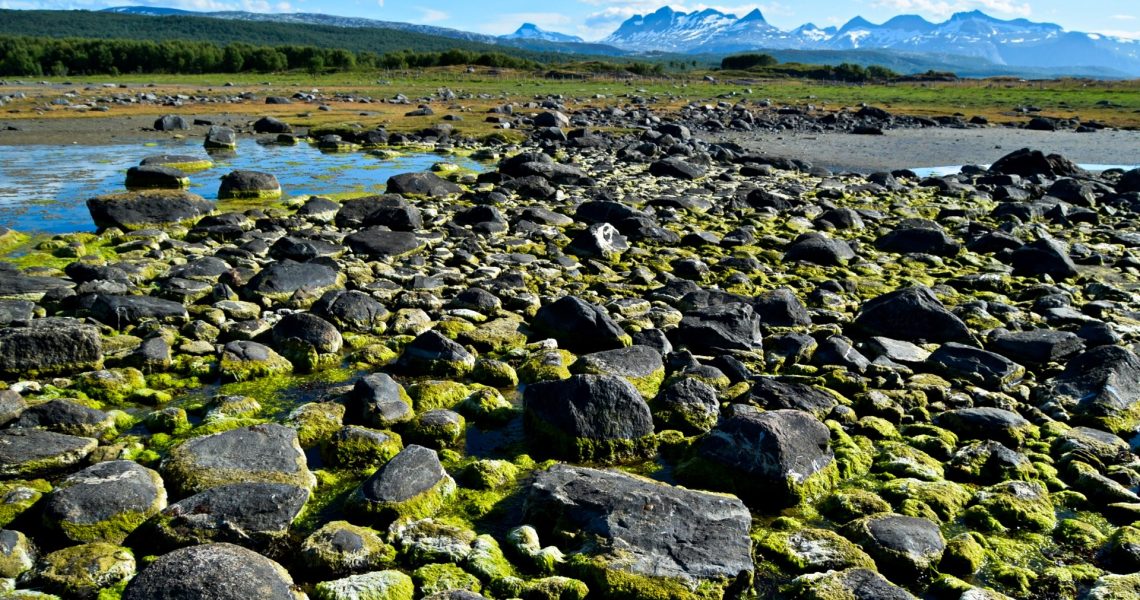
[(412, 485), (776, 458), (646, 534), (717, 329), (1099, 388), (819, 249), (145, 209), (381, 243), (919, 240), (1044, 257), (904, 548), (988, 423), (911, 314), (32, 452), (589, 417), (82, 571), (640, 365), (850, 584), (976, 366), (171, 123), (600, 241), (256, 515), (422, 184), (244, 360), (220, 138), (353, 311), (279, 281), (122, 312), (50, 347), (688, 405), (104, 502), (379, 401), (156, 177), (249, 185), (234, 573), (1037, 347), (677, 168), (340, 548), (1026, 162), (432, 354), (579, 326), (261, 453), (271, 125)]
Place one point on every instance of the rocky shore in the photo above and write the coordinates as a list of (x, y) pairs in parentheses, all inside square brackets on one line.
[(611, 366)]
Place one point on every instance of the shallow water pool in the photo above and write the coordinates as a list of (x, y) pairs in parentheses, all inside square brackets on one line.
[(44, 189), (951, 170)]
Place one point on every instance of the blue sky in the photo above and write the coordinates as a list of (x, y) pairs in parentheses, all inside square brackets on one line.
[(593, 19)]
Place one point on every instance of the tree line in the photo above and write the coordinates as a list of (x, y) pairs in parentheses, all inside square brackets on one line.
[(36, 56), (768, 65)]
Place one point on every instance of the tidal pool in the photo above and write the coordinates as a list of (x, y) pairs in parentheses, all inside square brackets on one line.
[(952, 170), (44, 189)]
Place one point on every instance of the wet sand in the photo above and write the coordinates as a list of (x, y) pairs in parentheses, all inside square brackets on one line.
[(918, 148)]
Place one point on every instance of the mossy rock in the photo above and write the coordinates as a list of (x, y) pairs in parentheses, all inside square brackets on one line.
[(1016, 505), (495, 373), (355, 447), (524, 541), (497, 335), (902, 460), (413, 485), (340, 548), (437, 394), (604, 576), (487, 405), (546, 365), (441, 577), (850, 504), (487, 561), (1078, 534), (81, 571), (316, 422), (489, 474), (113, 386), (811, 550), (945, 499), (554, 588), (267, 453), (16, 497), (245, 361), (17, 554), (377, 585), (963, 556)]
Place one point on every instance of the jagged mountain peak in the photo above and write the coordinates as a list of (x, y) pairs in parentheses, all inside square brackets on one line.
[(753, 17), (530, 31)]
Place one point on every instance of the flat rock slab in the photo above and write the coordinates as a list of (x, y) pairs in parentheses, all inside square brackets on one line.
[(50, 347), (247, 514), (658, 530), (147, 208), (267, 453), (381, 243), (31, 452)]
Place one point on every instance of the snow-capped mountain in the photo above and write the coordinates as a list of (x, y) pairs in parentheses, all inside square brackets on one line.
[(1017, 42), (530, 31)]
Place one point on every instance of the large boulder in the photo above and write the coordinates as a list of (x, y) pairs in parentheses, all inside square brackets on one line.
[(104, 502), (154, 177), (1026, 162), (212, 572), (677, 168), (378, 400), (911, 314), (220, 138), (271, 125), (353, 311), (390, 210), (249, 185), (382, 243), (171, 123), (976, 366), (435, 355), (256, 515), (411, 485), (145, 209), (904, 548), (579, 326), (716, 329), (422, 184), (640, 365), (267, 453), (775, 458), (50, 347), (121, 312), (279, 281), (1100, 388), (644, 534), (1045, 256), (1037, 347), (32, 452), (589, 417), (600, 241)]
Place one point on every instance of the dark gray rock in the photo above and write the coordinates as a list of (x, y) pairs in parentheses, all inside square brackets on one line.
[(1037, 346), (975, 365), (781, 308), (234, 573), (1044, 257), (171, 123), (155, 177), (412, 484), (147, 208), (600, 240), (1129, 182), (637, 364), (268, 453), (380, 243), (690, 536), (422, 184), (1099, 388), (121, 312), (389, 210), (11, 405), (688, 405), (853, 584), (309, 329), (255, 515), (433, 354), (50, 347), (578, 326), (279, 280), (16, 311), (819, 249), (904, 548), (379, 401), (271, 125), (353, 311), (986, 423), (1026, 162), (770, 393), (589, 417), (104, 502), (773, 458), (911, 314), (303, 249), (65, 416), (32, 452), (675, 167), (720, 328), (220, 138), (920, 240), (248, 184)]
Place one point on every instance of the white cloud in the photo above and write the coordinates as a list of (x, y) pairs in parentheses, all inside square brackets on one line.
[(431, 15), (1123, 17), (1131, 35)]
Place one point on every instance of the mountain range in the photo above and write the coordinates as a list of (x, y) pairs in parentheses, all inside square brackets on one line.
[(974, 41)]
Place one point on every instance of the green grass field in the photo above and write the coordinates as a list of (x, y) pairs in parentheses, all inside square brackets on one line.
[(1116, 103)]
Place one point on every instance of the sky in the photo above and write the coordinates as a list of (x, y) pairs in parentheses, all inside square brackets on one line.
[(594, 19)]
